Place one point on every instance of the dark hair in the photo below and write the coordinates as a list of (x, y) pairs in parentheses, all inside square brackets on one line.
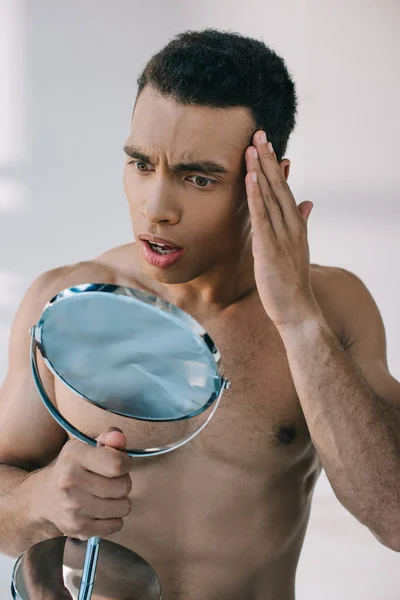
[(222, 69)]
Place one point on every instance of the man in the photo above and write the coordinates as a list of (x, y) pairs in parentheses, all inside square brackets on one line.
[(219, 234)]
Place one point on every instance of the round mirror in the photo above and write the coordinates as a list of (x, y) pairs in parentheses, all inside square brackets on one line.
[(129, 353)]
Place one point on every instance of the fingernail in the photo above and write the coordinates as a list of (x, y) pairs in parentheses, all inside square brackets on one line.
[(254, 176), (263, 137), (255, 153), (270, 147)]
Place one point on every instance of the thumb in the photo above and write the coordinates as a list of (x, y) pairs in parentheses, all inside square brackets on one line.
[(305, 209), (112, 437)]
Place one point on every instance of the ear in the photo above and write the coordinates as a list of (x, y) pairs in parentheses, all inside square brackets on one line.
[(285, 167)]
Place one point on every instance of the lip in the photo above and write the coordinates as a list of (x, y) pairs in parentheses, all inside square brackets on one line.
[(146, 237), (160, 261)]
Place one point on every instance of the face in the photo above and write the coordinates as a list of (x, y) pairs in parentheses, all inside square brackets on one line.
[(184, 181)]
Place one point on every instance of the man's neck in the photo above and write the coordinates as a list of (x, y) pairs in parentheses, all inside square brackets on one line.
[(217, 289)]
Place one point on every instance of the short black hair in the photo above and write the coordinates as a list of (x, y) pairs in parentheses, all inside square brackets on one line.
[(223, 69)]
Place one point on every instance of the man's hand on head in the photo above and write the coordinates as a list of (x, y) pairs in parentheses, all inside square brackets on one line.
[(279, 238)]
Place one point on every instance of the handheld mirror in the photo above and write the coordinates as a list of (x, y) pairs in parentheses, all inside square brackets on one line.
[(134, 355), (130, 353)]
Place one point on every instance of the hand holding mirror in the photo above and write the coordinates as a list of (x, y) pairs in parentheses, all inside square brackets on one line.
[(132, 354)]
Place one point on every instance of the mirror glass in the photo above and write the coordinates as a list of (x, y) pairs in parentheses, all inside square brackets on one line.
[(130, 353), (135, 356)]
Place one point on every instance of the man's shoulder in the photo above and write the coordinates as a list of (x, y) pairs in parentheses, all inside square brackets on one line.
[(51, 282), (120, 260), (343, 297), (109, 267), (335, 282)]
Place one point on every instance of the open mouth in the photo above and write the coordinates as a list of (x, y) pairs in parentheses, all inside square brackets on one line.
[(162, 248), (161, 254)]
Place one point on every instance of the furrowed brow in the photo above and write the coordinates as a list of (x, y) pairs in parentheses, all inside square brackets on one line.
[(203, 166), (133, 152)]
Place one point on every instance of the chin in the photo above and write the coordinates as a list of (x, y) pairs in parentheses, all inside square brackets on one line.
[(171, 275)]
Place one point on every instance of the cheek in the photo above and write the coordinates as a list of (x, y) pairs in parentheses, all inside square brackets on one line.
[(217, 223), (131, 192), (228, 211), (126, 181)]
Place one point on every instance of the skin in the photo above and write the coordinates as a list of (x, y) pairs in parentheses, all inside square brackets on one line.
[(225, 516)]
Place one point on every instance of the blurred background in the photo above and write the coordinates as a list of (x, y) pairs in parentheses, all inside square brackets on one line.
[(68, 74)]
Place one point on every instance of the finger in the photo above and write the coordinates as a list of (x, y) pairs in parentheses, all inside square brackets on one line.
[(104, 461), (105, 487), (273, 207), (276, 180), (260, 222), (305, 209), (100, 508), (113, 437), (99, 527)]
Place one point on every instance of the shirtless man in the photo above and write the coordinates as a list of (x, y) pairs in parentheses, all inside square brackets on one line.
[(224, 517)]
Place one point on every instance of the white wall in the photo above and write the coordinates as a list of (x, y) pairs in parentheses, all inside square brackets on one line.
[(67, 80)]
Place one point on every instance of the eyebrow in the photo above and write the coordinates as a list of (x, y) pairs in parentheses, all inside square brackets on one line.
[(202, 166)]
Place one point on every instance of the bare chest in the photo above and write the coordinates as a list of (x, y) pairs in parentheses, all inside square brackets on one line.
[(260, 420)]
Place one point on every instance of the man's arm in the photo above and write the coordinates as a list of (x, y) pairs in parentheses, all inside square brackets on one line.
[(352, 405), (30, 438)]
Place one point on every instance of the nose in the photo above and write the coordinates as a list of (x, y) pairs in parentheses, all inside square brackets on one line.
[(161, 208)]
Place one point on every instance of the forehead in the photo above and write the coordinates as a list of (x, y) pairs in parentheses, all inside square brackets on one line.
[(162, 125)]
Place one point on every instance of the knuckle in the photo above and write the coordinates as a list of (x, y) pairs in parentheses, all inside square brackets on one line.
[(72, 505), (116, 465), (75, 526), (127, 507), (110, 526), (66, 480), (272, 199), (70, 449), (127, 485), (281, 182), (119, 464), (266, 154), (262, 215), (118, 509), (117, 525)]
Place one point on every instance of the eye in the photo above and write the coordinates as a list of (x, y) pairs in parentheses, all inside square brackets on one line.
[(202, 182), (138, 164)]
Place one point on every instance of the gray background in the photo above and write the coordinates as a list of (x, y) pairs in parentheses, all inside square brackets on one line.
[(67, 84)]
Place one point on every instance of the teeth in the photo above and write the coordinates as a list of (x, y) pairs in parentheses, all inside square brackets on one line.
[(161, 248), (165, 251)]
